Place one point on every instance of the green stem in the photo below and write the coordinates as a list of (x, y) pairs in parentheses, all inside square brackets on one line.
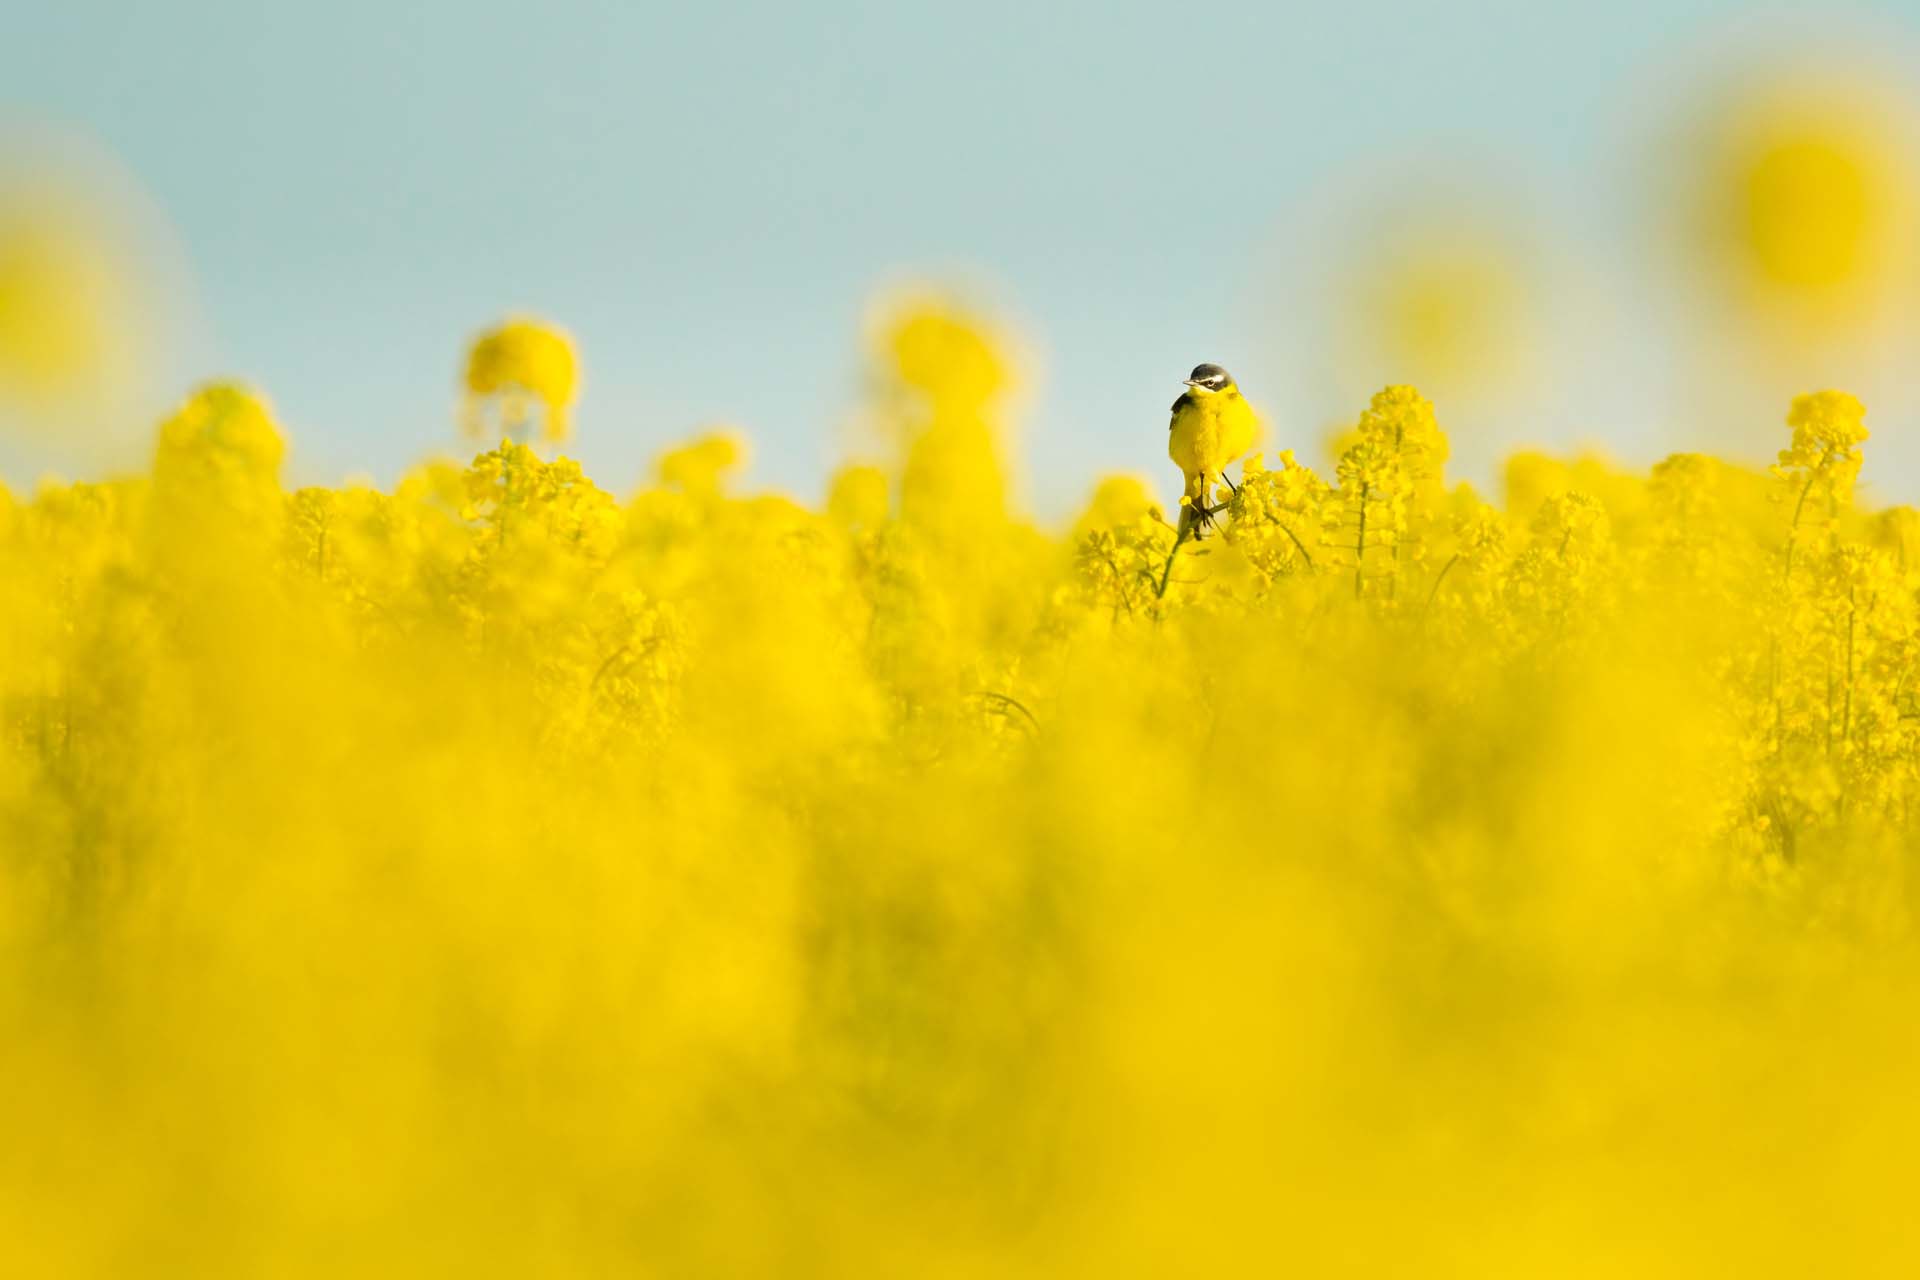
[(1444, 569), (1793, 530), (1006, 703), (1846, 718), (1166, 572), (1304, 555), (1829, 722), (1360, 545), (1786, 580), (1119, 586)]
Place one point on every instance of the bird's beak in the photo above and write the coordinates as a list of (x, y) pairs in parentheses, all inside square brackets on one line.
[(1189, 382)]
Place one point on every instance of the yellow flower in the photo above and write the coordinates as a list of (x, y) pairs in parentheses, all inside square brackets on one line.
[(937, 349), (75, 316), (1828, 428), (512, 367), (1117, 500), (1443, 300), (941, 378), (701, 467), (1803, 195), (1390, 478), (859, 497), (222, 439), (1449, 840), (1401, 419)]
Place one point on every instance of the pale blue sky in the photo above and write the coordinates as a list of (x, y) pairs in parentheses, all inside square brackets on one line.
[(708, 195)]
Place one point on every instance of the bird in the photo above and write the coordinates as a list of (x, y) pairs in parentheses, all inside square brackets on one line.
[(1212, 426)]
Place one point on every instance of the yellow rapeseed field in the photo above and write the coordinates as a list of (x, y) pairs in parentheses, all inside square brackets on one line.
[(502, 876)]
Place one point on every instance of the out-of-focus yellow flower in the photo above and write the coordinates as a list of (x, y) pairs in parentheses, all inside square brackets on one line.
[(859, 497), (1802, 190), (1116, 501), (936, 349), (522, 363), (222, 441), (218, 508), (73, 306), (1393, 850), (1529, 478), (1444, 301), (700, 467), (942, 381), (1897, 530)]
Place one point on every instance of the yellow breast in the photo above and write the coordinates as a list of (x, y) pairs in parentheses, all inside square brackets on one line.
[(1211, 431)]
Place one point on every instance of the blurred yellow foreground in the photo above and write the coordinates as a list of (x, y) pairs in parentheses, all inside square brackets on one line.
[(498, 877)]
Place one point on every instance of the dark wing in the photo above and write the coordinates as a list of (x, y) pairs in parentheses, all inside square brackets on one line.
[(1184, 402)]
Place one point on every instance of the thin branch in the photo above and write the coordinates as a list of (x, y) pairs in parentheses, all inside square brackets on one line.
[(1166, 572), (1442, 577), (1004, 702)]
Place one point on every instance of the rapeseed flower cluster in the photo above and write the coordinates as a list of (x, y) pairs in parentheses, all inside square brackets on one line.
[(1803, 193), (505, 875), (79, 304), (514, 368)]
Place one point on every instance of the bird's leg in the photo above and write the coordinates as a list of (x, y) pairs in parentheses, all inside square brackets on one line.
[(1231, 488), (1208, 505), (1199, 498), (1208, 509)]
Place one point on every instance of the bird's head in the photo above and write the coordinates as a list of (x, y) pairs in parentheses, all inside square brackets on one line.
[(1209, 378)]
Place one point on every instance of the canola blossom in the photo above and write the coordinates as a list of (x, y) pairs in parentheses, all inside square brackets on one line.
[(1804, 195), (511, 369), (78, 304), (504, 876)]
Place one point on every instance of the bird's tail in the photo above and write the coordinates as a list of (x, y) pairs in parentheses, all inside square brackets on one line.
[(1196, 521)]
